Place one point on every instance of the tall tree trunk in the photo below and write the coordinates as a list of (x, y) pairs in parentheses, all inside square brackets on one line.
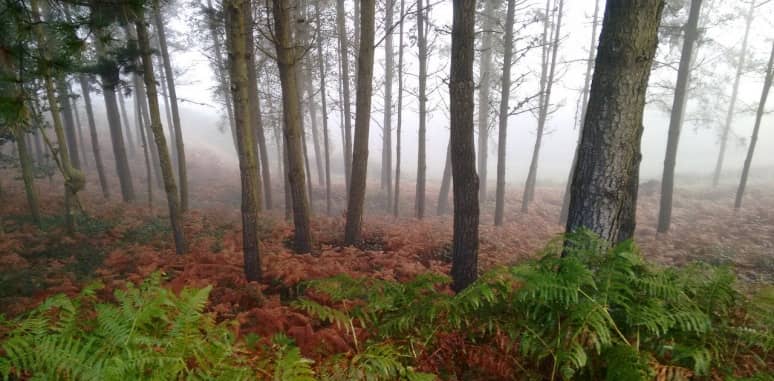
[(326, 144), (529, 188), (29, 180), (125, 120), (365, 74), (502, 138), (341, 28), (39, 154), (287, 60), (238, 27), (93, 133), (604, 187), (419, 201), (167, 110), (583, 107), (254, 106), (144, 140), (443, 194), (484, 87), (464, 269), (734, 93), (69, 122), (180, 148), (109, 80), (79, 129), (158, 134), (396, 202), (754, 139), (389, 68), (676, 117), (306, 66)]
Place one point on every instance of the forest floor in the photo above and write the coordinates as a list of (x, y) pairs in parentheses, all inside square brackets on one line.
[(118, 242)]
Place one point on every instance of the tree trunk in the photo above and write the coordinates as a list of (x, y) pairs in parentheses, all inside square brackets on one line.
[(142, 103), (306, 66), (93, 133), (389, 68), (254, 106), (443, 194), (484, 87), (69, 123), (79, 129), (396, 202), (27, 176), (584, 105), (181, 166), (326, 144), (604, 188), (754, 139), (158, 134), (238, 27), (419, 201), (167, 110), (287, 60), (502, 138), (529, 188), (220, 69), (365, 74), (144, 139), (464, 269), (125, 119), (734, 93), (341, 27), (676, 117)]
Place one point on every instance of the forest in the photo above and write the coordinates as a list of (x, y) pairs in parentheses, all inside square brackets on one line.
[(386, 190)]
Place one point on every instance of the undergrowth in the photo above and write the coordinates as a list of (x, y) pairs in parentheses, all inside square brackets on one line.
[(595, 313)]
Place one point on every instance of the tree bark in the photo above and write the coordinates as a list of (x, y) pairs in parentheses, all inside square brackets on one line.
[(254, 106), (365, 73), (584, 105), (484, 88), (287, 61), (144, 139), (326, 144), (505, 88), (604, 187), (464, 269), (125, 121), (69, 123), (676, 117), (180, 148), (419, 200), (398, 132), (94, 138), (29, 180), (238, 27), (158, 134), (754, 139), (529, 188), (341, 28), (734, 93), (79, 129), (389, 68)]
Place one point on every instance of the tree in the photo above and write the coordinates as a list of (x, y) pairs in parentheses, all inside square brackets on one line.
[(485, 78), (464, 269), (396, 202), (604, 187), (84, 81), (422, 30), (583, 106), (286, 61), (321, 62), (505, 89), (158, 134), (691, 34), (256, 123), (550, 55), (734, 93), (365, 73), (389, 68), (754, 139), (63, 90), (238, 26), (443, 193), (341, 27)]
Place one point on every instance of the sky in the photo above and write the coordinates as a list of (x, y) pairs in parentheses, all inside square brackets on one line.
[(698, 145)]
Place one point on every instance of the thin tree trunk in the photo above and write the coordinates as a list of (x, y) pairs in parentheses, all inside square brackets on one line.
[(734, 93), (754, 139), (529, 188), (28, 178), (254, 106), (484, 88), (94, 138), (584, 105), (341, 27), (158, 134), (505, 91), (167, 110), (69, 123), (238, 27), (39, 155), (286, 60), (389, 68), (130, 140), (604, 188), (144, 139), (220, 69), (313, 117), (396, 202), (180, 148), (443, 195), (419, 201), (79, 130), (464, 269), (365, 73), (676, 117), (326, 144)]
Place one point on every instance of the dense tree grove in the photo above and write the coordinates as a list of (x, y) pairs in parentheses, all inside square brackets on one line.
[(347, 117)]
